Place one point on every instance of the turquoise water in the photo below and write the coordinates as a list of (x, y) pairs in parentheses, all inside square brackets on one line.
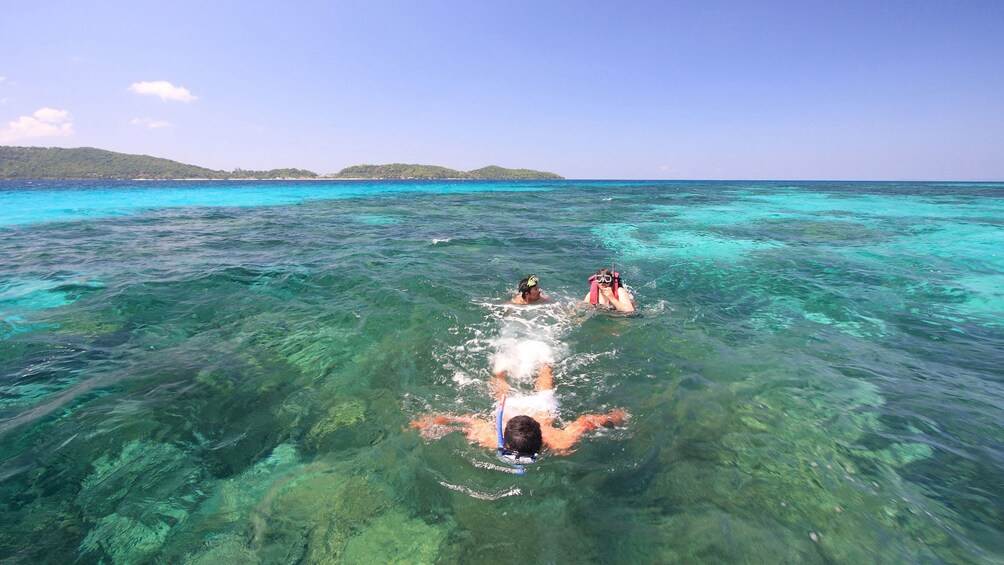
[(225, 372)]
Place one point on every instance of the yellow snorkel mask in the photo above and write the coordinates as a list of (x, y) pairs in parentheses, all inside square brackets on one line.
[(532, 281)]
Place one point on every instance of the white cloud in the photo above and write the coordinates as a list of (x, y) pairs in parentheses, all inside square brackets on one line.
[(46, 122), (2, 78), (164, 89), (150, 123), (51, 115)]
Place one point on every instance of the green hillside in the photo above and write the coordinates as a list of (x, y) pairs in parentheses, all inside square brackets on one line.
[(406, 171), (398, 171), (494, 172), (90, 163), (57, 163)]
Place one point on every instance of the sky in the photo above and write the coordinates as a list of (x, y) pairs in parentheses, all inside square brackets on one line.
[(887, 90)]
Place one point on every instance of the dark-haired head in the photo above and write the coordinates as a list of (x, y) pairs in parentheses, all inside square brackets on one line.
[(522, 435), (529, 288)]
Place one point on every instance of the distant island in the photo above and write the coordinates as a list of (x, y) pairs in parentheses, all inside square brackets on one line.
[(406, 171), (56, 163)]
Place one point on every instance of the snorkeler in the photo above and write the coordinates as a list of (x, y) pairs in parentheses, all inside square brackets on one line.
[(527, 421), (529, 291), (607, 290)]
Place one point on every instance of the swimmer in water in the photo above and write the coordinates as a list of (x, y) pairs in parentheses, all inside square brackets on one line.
[(607, 291), (529, 291), (528, 421)]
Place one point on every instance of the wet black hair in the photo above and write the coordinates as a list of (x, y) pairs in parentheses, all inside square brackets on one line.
[(522, 435), (524, 288)]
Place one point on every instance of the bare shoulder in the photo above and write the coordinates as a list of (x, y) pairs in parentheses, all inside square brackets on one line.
[(483, 433), (628, 299)]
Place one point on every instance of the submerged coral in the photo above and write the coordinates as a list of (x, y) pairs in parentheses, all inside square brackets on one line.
[(135, 498)]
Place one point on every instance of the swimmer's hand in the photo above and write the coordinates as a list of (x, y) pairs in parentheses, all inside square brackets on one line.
[(434, 426), (612, 418), (616, 417), (590, 422), (623, 303), (561, 441), (429, 420), (499, 385)]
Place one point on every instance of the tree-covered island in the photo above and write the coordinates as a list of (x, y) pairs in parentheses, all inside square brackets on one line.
[(406, 171), (56, 163)]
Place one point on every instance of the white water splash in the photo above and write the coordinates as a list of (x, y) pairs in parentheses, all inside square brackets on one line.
[(513, 491)]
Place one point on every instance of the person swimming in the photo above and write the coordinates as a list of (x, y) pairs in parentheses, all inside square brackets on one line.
[(606, 290), (529, 291), (523, 425)]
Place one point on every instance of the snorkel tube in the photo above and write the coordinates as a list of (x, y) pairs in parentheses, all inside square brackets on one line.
[(501, 438)]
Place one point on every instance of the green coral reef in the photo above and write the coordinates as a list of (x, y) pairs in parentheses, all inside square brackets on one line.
[(758, 468), (249, 403), (164, 484), (281, 510)]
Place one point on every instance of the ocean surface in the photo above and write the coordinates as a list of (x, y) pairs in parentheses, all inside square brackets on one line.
[(225, 372)]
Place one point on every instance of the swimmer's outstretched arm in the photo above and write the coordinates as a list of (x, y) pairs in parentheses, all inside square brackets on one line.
[(499, 385), (561, 440), (429, 420), (434, 426), (589, 422), (545, 381)]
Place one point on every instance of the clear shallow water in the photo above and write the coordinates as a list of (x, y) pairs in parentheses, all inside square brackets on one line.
[(224, 373)]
